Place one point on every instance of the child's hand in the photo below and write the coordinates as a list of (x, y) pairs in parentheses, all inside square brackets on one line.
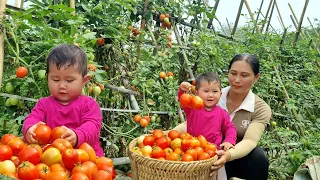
[(70, 136), (226, 145), (185, 86), (30, 133)]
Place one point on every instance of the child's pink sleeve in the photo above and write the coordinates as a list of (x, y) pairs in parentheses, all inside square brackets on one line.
[(228, 129), (89, 131), (38, 113)]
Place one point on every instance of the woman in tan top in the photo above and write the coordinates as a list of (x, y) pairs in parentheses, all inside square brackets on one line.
[(250, 114)]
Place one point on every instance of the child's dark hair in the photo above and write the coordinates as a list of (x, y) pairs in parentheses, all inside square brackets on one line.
[(67, 55), (209, 77), (252, 60)]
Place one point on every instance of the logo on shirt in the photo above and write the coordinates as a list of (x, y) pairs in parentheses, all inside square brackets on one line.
[(245, 124)]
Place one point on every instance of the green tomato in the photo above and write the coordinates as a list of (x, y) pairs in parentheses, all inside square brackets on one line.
[(21, 104), (158, 120), (96, 90), (13, 101), (9, 88), (166, 20), (42, 74), (273, 123), (91, 56), (87, 31), (7, 104), (166, 78), (153, 119), (170, 78)]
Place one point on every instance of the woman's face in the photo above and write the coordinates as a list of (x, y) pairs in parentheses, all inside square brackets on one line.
[(241, 77)]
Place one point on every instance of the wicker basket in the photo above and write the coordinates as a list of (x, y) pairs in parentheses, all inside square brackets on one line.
[(144, 168)]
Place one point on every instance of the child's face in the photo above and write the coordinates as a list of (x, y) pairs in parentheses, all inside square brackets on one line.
[(65, 84), (210, 93)]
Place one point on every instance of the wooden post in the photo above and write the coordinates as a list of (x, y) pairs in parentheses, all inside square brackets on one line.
[(278, 10), (300, 23), (267, 14), (251, 15), (258, 14), (294, 14), (269, 21), (22, 4), (2, 13), (237, 19), (214, 9), (313, 27), (229, 26), (73, 5)]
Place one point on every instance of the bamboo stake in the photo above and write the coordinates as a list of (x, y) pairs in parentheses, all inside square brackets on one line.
[(294, 22), (2, 15), (269, 21), (215, 10), (228, 25), (176, 32), (294, 14), (313, 27), (259, 11), (278, 10), (22, 4), (17, 3), (251, 14), (237, 19), (221, 26), (267, 14), (73, 5), (300, 23)]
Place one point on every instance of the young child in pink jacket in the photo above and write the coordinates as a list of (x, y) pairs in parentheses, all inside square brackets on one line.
[(67, 74)]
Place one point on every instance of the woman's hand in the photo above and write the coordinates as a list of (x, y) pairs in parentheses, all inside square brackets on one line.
[(226, 145), (70, 136), (30, 133), (185, 86), (223, 157)]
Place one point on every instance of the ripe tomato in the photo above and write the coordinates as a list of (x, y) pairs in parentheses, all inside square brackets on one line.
[(173, 134), (61, 144), (210, 152), (211, 146), (21, 72), (167, 151), (43, 170), (100, 41), (199, 150), (185, 135), (149, 140), (170, 73), (37, 146), (163, 142), (178, 151), (109, 169), (59, 167), (92, 168), (92, 67), (161, 17), (81, 169), (147, 118), (16, 146), (57, 132), (157, 152), (157, 133), (162, 75), (173, 156), (15, 160), (92, 154), (194, 142), (79, 176), (6, 138), (7, 167), (186, 157), (102, 175), (30, 154), (144, 123), (146, 150), (193, 153), (203, 156), (105, 161), (70, 157), (27, 170), (5, 152), (203, 141), (176, 143), (185, 144), (185, 100), (51, 156), (13, 175), (137, 118), (43, 134), (197, 102), (61, 175)]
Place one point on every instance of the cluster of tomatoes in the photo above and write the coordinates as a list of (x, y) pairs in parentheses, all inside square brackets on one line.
[(174, 146), (58, 160), (143, 120), (165, 19), (191, 101), (96, 88), (165, 76), (134, 32)]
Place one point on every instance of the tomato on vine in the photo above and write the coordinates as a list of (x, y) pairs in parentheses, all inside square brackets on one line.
[(21, 72), (100, 41)]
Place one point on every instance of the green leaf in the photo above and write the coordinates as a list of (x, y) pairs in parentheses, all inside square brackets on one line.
[(89, 36), (55, 30)]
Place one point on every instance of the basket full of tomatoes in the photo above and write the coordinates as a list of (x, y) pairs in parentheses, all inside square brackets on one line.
[(171, 156)]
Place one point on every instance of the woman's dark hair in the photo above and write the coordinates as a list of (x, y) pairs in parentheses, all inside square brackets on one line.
[(250, 59), (209, 77), (67, 55)]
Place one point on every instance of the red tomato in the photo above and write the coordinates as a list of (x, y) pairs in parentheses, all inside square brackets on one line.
[(61, 175), (185, 144), (147, 118), (167, 151), (61, 144), (186, 157), (5, 152), (157, 133), (185, 100), (58, 167), (81, 169), (43, 134), (203, 141), (51, 156), (16, 146), (185, 135), (163, 142), (109, 169), (102, 175), (144, 122), (137, 118), (43, 170), (30, 154), (92, 154), (27, 170), (100, 41), (211, 146), (148, 140), (203, 156), (83, 155), (194, 142), (197, 102), (104, 160), (6, 138), (57, 132), (210, 152), (193, 153), (70, 157), (15, 160), (21, 72), (79, 176), (173, 134), (157, 152), (92, 167), (173, 157), (37, 146)]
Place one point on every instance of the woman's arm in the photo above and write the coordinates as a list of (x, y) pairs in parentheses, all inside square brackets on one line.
[(181, 127)]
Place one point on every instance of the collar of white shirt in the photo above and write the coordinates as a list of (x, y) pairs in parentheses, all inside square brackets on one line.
[(247, 104)]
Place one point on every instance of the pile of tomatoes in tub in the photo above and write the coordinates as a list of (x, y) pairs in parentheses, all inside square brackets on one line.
[(51, 161)]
